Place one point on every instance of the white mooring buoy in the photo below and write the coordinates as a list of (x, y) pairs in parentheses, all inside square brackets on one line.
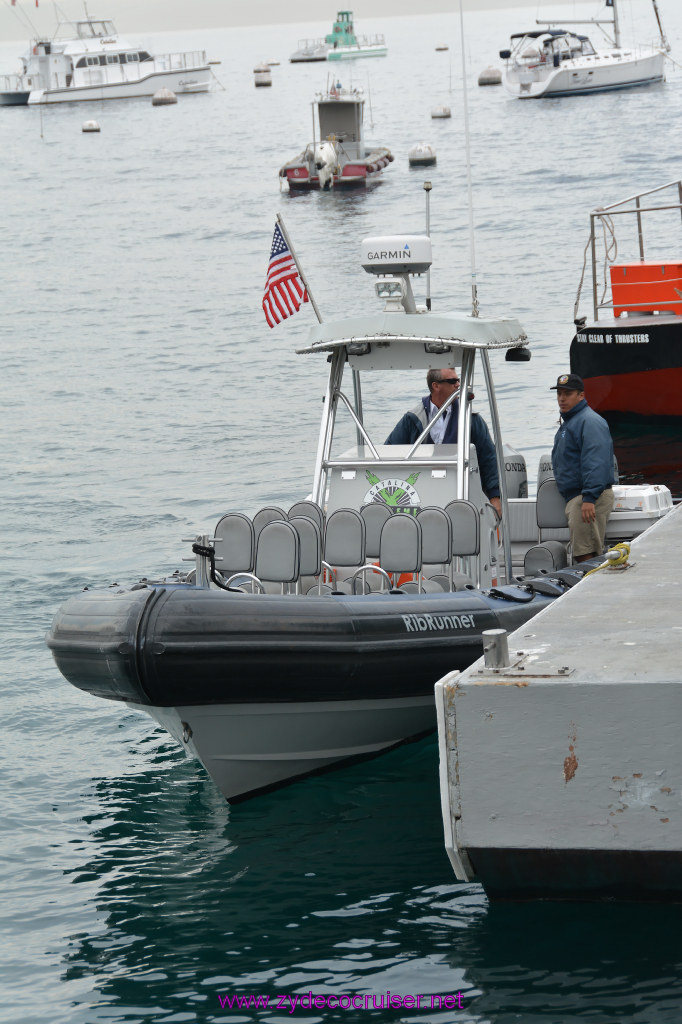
[(422, 154), (90, 126), (162, 97), (490, 76), (441, 112), (263, 75)]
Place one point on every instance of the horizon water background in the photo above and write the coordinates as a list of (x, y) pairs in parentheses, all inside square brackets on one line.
[(17, 21), (144, 395)]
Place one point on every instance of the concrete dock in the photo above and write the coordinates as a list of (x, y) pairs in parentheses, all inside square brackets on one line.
[(561, 775)]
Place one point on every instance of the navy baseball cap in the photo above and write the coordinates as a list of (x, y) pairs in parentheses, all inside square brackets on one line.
[(569, 382)]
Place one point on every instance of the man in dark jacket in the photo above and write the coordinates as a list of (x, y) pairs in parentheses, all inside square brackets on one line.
[(582, 460), (444, 430)]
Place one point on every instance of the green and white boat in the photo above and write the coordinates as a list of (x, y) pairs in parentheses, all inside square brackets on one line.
[(340, 44)]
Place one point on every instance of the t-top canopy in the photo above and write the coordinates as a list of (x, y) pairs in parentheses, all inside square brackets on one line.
[(434, 333)]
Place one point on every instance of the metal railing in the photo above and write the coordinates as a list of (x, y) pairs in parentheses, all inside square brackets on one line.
[(614, 210), (12, 83)]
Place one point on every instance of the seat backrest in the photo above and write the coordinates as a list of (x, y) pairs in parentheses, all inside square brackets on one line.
[(375, 515), (269, 514), (234, 544), (344, 538), (550, 507), (310, 545), (277, 552), (546, 557), (436, 535), (307, 508), (466, 527), (401, 544)]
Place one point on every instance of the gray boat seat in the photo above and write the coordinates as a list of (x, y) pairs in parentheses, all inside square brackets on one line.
[(375, 515), (234, 544), (401, 551), (269, 514), (436, 543), (307, 508), (466, 527), (546, 557), (310, 553), (277, 554), (550, 508), (466, 536), (459, 581), (344, 545)]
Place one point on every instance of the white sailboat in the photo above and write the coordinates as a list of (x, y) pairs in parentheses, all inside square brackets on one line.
[(556, 61)]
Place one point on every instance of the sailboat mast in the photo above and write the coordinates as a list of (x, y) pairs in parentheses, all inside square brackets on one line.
[(664, 42), (616, 26)]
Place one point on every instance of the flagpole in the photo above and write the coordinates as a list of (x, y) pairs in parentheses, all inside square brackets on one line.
[(357, 395), (298, 267)]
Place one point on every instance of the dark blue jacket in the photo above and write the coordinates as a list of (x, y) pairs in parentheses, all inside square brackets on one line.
[(582, 456), (413, 422)]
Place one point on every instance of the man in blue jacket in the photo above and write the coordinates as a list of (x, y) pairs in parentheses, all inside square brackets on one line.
[(582, 460), (444, 430)]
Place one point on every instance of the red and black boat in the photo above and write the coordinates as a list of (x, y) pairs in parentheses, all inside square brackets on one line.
[(630, 354)]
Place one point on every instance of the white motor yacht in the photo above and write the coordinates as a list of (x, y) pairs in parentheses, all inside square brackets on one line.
[(88, 60)]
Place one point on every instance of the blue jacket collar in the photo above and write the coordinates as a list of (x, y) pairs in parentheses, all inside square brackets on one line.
[(576, 408)]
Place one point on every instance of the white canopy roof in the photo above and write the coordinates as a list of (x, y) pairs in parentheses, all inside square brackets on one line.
[(445, 332)]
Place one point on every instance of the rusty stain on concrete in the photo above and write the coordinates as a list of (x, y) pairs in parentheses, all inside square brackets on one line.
[(571, 762)]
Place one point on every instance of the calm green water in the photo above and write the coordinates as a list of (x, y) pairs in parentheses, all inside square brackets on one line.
[(143, 396)]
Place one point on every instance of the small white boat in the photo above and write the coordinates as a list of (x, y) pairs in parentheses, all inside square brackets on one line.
[(88, 60), (340, 157), (560, 62), (422, 154), (441, 111), (308, 51)]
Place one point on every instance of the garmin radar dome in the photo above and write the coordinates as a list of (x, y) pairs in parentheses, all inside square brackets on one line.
[(396, 254)]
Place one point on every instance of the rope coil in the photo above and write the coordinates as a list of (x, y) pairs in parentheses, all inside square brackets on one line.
[(616, 558)]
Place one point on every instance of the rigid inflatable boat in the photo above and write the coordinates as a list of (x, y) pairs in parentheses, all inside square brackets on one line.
[(339, 157), (307, 637)]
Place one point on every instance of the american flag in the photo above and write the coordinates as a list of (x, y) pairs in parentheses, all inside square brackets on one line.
[(284, 290)]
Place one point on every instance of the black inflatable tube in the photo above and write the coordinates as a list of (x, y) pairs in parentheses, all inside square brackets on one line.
[(169, 646)]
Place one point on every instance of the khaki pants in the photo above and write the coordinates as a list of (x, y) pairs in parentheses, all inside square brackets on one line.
[(588, 537)]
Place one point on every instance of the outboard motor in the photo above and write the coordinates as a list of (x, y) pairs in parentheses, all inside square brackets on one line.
[(545, 471), (515, 473), (326, 163)]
